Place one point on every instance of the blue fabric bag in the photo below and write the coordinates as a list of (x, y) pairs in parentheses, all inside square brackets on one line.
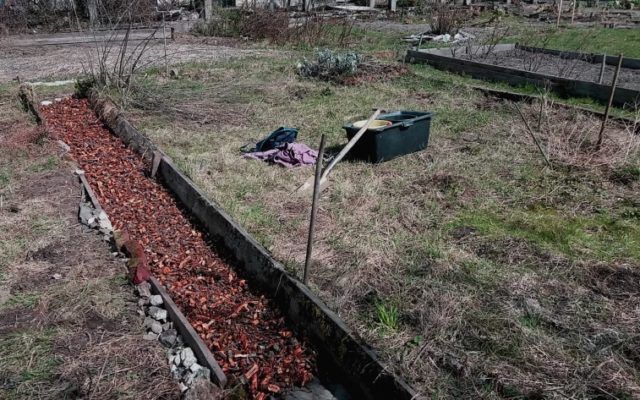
[(275, 139)]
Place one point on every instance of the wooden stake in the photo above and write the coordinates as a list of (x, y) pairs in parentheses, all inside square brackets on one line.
[(535, 139), (602, 67), (559, 14), (351, 143), (606, 111), (208, 10), (164, 38), (155, 163), (573, 10), (314, 209)]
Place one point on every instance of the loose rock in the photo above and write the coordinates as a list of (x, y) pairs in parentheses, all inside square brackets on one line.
[(168, 338), (189, 378), (144, 289), (187, 357), (176, 372), (150, 336), (148, 321), (204, 389), (156, 327), (104, 223), (155, 300), (176, 357), (86, 215), (158, 314)]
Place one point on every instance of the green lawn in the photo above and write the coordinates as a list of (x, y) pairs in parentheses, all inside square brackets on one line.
[(597, 40)]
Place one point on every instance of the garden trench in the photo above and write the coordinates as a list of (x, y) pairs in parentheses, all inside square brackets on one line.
[(264, 328)]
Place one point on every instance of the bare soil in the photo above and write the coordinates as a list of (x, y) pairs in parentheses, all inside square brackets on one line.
[(29, 59), (69, 326), (561, 67)]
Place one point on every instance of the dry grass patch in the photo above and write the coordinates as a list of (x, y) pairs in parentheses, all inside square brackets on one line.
[(469, 266), (571, 137)]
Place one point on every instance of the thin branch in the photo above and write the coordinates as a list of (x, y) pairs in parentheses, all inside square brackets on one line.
[(535, 139)]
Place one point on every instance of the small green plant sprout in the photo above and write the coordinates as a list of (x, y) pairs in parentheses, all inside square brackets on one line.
[(387, 316)]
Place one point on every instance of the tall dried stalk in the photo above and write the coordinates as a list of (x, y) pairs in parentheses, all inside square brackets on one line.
[(114, 60)]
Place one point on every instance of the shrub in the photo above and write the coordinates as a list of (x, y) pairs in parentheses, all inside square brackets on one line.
[(330, 65), (83, 85), (19, 16), (275, 26), (446, 19), (226, 22)]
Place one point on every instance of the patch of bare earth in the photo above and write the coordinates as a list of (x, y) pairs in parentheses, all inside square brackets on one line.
[(68, 321), (41, 61)]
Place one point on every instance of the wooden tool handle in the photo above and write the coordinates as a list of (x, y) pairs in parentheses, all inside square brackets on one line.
[(350, 144)]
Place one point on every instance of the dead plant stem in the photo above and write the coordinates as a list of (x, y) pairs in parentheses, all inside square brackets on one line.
[(606, 111), (535, 139)]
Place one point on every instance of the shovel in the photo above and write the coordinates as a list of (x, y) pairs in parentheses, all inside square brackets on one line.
[(308, 184)]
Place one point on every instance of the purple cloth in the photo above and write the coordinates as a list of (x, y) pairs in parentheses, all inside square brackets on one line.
[(288, 155)]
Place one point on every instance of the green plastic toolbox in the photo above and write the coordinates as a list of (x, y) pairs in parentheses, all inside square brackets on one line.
[(407, 132)]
